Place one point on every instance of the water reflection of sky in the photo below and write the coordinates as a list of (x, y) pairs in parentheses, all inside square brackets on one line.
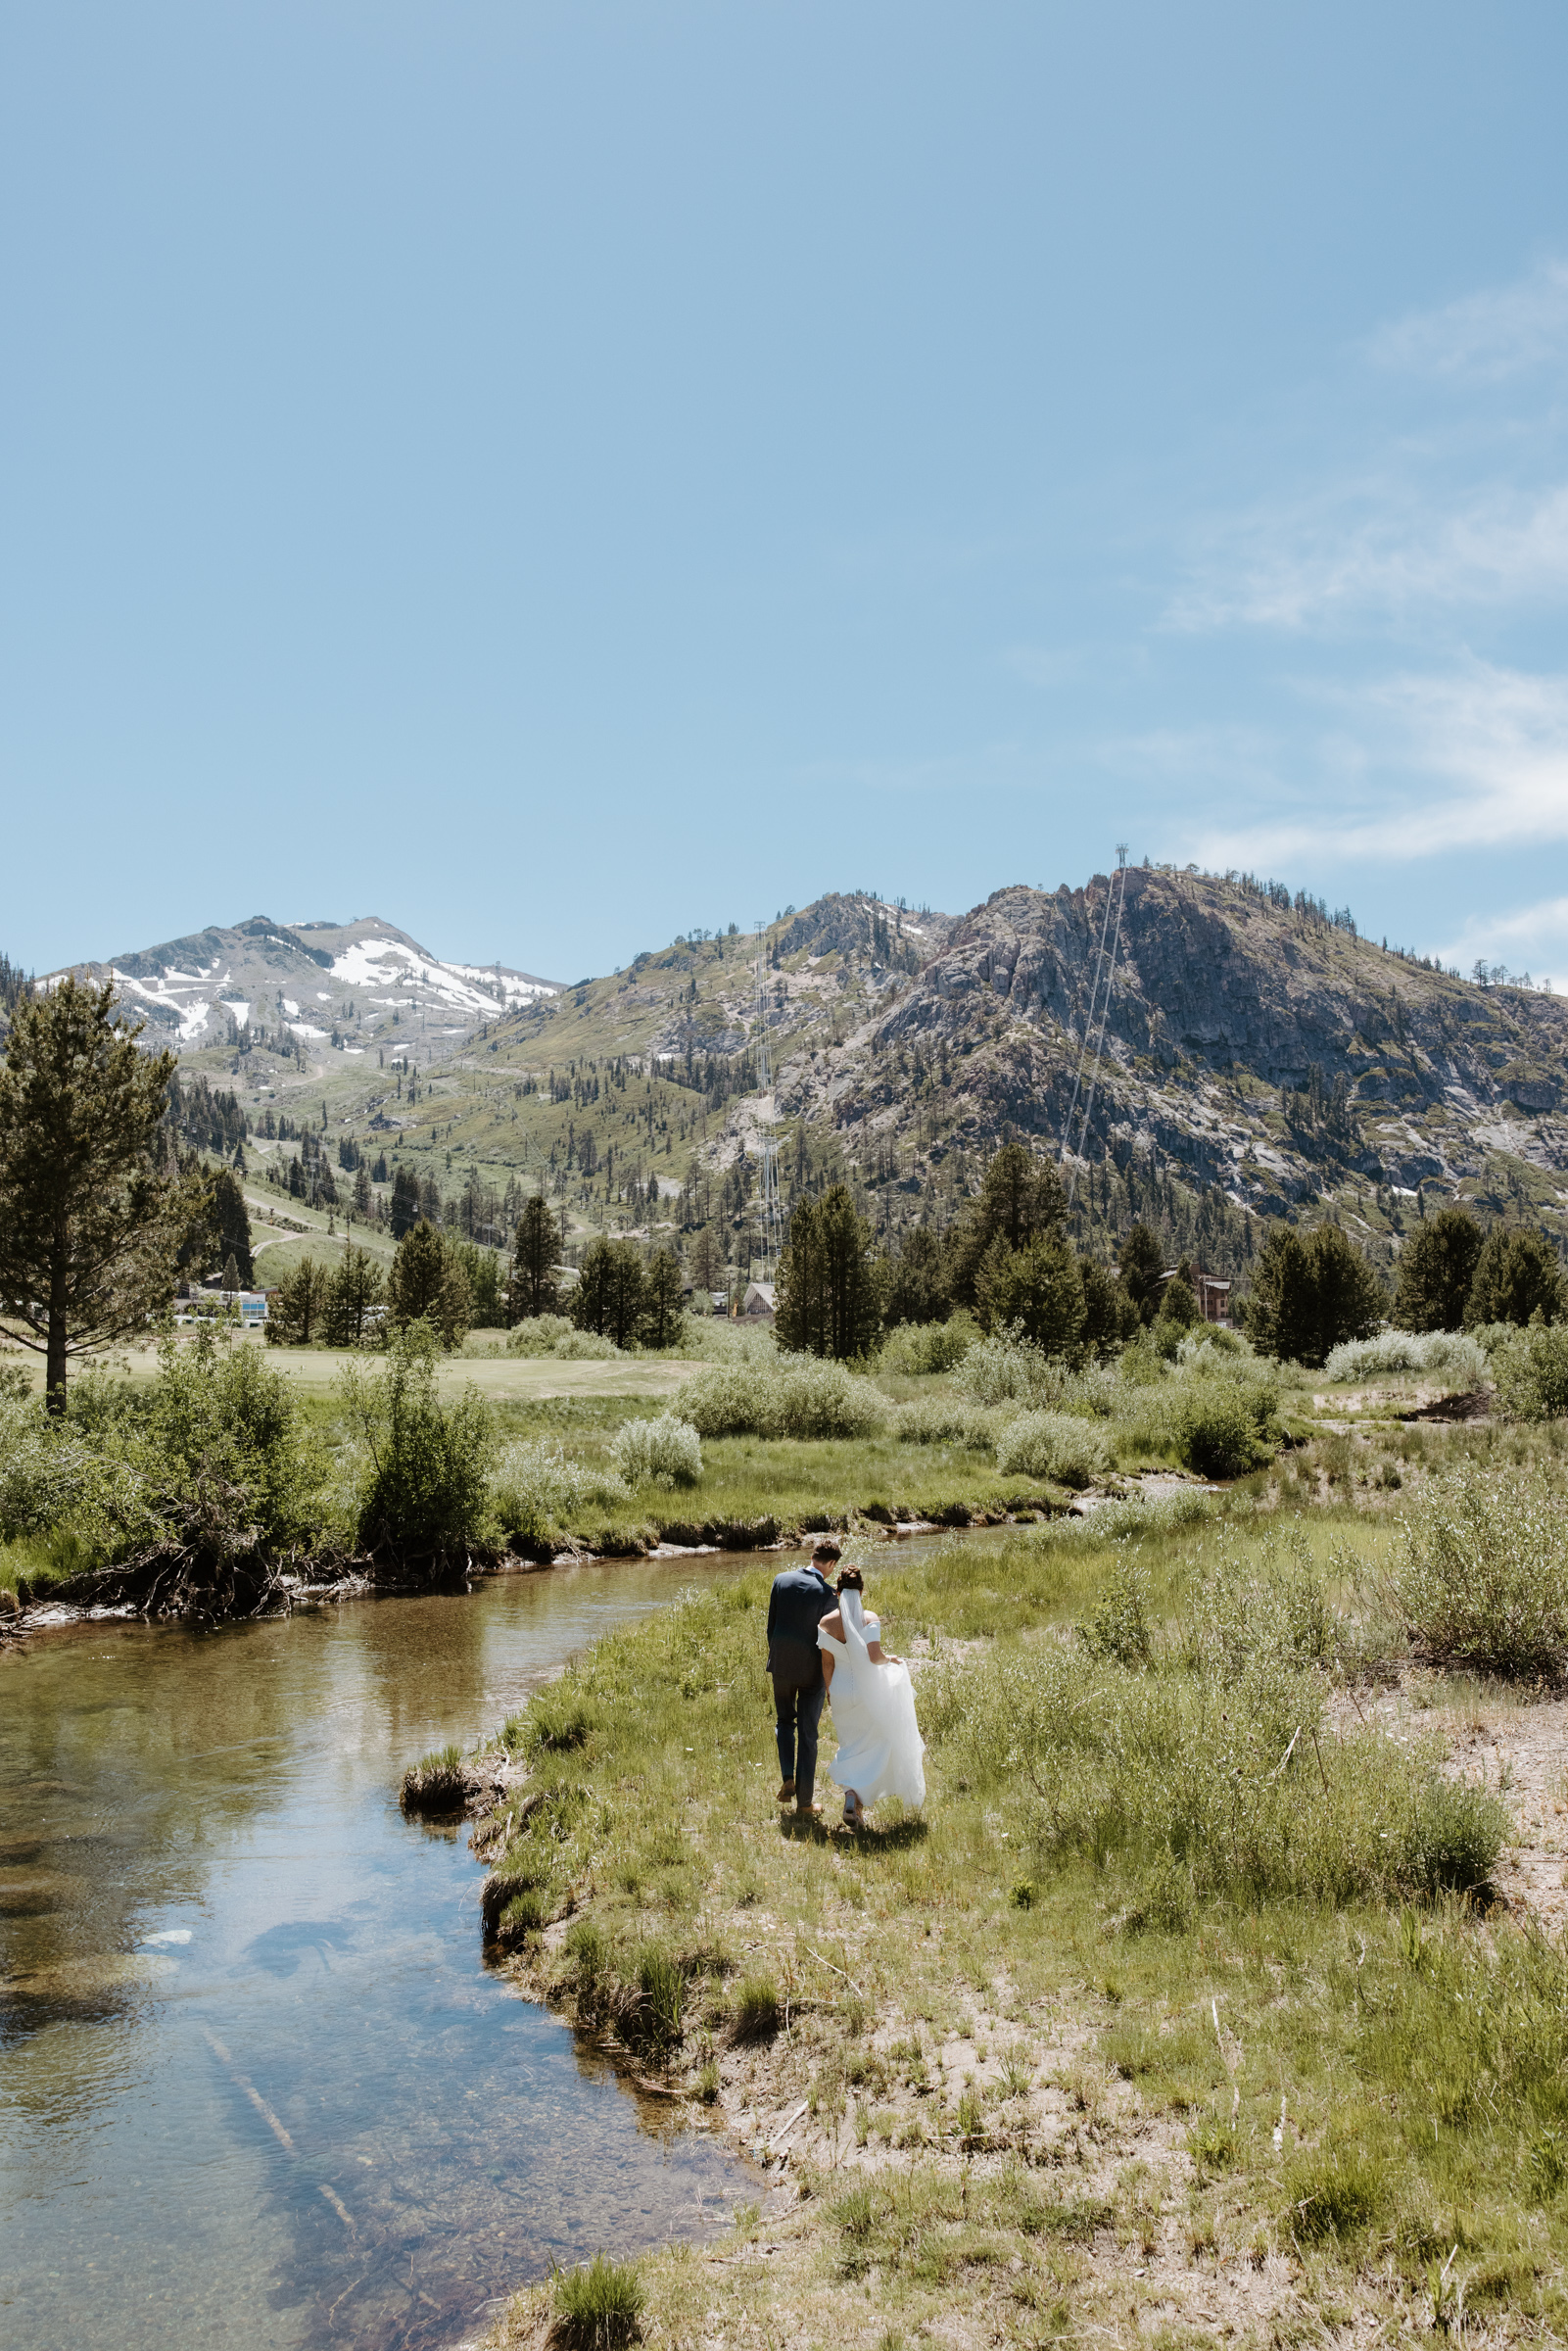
[(319, 2119)]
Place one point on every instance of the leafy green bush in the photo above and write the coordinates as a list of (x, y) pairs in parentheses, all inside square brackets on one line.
[(424, 1464), (597, 2307), (1531, 1370), (54, 1482), (666, 1452), (1052, 1444), (539, 1334), (1008, 1368), (754, 1394), (920, 1348), (1118, 1628), (1454, 1352), (218, 1406), (946, 1421), (536, 1491), (1219, 1428), (1480, 1577)]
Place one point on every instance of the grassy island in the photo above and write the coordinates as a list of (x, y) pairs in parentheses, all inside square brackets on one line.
[(1217, 1991)]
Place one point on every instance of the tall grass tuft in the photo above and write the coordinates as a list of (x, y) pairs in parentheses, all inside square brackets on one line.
[(598, 2307), (435, 1783), (1481, 1575), (755, 2009)]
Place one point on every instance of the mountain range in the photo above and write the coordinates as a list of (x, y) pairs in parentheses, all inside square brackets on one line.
[(1183, 1040), (307, 980)]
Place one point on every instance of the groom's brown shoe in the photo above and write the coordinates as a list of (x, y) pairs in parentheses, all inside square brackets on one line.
[(785, 1793)]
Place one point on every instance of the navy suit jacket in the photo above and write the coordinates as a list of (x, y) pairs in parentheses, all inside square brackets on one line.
[(801, 1596)]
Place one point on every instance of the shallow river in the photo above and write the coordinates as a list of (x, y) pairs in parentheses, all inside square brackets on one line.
[(256, 2084)]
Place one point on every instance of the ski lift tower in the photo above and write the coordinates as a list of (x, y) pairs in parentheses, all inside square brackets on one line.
[(769, 1219)]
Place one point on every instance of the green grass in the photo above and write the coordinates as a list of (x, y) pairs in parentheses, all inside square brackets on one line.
[(1420, 2057)]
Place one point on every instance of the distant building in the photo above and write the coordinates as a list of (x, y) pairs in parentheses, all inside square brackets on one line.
[(760, 1303), (1212, 1293)]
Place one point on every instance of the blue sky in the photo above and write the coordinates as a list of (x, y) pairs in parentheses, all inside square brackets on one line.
[(556, 475)]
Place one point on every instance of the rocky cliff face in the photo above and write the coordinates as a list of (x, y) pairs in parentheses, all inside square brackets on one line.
[(1246, 1044)]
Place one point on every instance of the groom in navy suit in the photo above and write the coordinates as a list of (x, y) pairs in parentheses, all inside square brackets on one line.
[(801, 1596)]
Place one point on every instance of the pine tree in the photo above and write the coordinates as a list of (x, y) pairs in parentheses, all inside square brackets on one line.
[(916, 1289), (1517, 1276), (405, 1202), (829, 1283), (356, 1288), (1436, 1266), (427, 1284), (534, 1289), (90, 1225), (611, 1291), (661, 1311), (297, 1311)]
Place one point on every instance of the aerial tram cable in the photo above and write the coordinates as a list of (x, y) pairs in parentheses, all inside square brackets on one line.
[(1105, 1012), (1088, 1027)]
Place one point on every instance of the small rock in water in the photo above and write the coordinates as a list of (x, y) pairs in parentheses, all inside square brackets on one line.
[(169, 1935)]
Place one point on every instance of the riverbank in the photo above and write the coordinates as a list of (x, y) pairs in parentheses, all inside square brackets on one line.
[(1137, 2031)]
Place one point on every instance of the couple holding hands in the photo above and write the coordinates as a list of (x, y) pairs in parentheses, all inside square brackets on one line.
[(821, 1641)]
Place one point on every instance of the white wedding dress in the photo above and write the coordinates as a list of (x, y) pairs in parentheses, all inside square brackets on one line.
[(880, 1746)]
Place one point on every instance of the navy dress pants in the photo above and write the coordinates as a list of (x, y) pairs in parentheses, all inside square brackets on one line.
[(798, 1707)]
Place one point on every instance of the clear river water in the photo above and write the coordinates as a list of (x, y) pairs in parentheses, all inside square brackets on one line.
[(256, 2083)]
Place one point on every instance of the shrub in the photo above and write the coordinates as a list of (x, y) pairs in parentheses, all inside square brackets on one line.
[(920, 1348), (946, 1421), (756, 2009), (219, 1408), (1218, 1427), (1212, 1338), (598, 2307), (665, 1452), (52, 1482), (1052, 1444), (1119, 1629), (1008, 1368), (1531, 1370), (535, 1490), (781, 1396), (1481, 1575), (1453, 1351), (538, 1334), (424, 1482)]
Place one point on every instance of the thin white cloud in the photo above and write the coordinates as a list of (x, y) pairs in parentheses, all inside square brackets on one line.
[(1471, 512), (1485, 337), (1532, 939), (1474, 758), (1332, 561)]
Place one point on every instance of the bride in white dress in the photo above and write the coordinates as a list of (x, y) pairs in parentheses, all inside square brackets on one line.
[(873, 1700)]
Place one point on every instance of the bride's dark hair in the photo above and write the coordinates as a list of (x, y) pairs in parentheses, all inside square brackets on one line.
[(850, 1579)]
